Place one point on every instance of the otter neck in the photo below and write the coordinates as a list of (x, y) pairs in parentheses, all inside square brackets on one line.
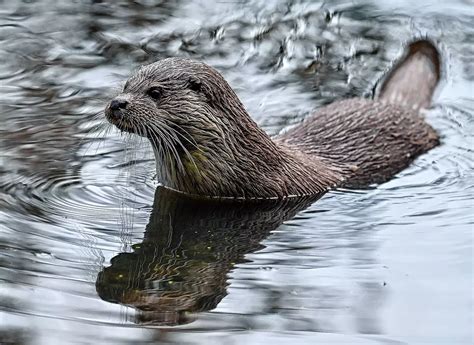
[(237, 159)]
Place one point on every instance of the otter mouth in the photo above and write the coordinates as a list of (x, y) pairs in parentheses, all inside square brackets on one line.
[(119, 119)]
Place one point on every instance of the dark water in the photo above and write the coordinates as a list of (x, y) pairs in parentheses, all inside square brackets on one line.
[(91, 252)]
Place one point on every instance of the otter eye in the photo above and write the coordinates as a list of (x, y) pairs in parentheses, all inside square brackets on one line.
[(154, 92)]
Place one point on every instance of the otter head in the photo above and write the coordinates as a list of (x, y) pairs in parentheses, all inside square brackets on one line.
[(204, 141), (169, 98)]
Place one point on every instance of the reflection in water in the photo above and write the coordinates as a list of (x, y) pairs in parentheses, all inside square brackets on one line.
[(190, 245)]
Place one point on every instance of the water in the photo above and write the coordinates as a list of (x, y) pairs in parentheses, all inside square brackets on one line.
[(89, 253)]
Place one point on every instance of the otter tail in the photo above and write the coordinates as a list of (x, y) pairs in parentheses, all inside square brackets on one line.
[(412, 81)]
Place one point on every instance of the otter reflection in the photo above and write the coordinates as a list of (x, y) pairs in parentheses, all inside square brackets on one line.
[(189, 246)]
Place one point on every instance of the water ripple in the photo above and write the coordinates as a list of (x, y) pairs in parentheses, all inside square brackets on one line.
[(76, 214)]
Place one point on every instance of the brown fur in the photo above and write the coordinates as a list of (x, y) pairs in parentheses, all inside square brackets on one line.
[(206, 144)]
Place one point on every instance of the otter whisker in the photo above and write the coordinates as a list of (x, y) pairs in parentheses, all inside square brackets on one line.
[(101, 128), (185, 150), (169, 142), (165, 144), (138, 128), (157, 143), (191, 141), (98, 116), (183, 147)]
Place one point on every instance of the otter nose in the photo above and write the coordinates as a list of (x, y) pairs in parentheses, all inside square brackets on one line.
[(117, 104)]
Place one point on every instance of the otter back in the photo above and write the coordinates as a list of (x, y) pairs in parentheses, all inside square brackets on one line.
[(370, 140)]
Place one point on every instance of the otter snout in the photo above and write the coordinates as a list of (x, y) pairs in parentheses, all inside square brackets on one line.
[(114, 110), (116, 104)]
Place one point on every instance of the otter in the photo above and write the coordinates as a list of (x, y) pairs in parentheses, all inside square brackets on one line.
[(206, 144)]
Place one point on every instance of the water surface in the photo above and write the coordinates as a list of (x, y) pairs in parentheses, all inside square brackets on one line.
[(92, 252)]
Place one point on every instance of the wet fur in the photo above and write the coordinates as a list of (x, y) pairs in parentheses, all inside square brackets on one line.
[(206, 144)]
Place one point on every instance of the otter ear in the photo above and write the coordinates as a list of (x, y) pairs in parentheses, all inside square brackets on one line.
[(194, 83)]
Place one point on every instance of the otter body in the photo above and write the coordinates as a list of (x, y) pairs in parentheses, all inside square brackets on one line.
[(206, 144), (370, 141)]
